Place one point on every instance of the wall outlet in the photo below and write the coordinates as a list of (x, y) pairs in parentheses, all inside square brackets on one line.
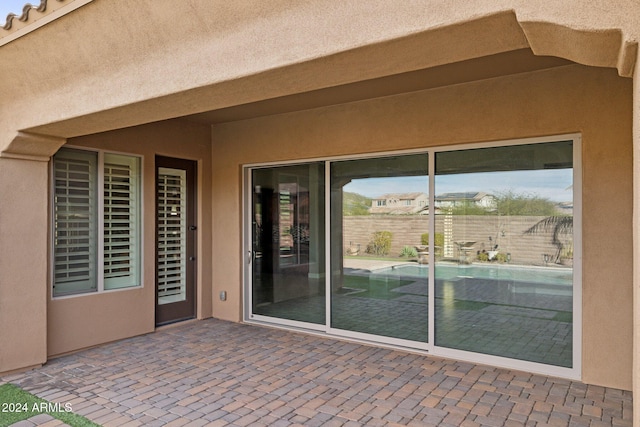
[(223, 295)]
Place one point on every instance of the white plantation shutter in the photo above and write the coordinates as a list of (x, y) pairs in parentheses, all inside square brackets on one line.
[(121, 228), (75, 225), (79, 231), (172, 235)]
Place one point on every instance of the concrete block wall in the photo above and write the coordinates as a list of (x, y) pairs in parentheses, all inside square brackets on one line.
[(508, 232)]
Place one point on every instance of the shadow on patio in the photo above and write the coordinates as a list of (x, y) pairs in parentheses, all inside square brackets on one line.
[(218, 373)]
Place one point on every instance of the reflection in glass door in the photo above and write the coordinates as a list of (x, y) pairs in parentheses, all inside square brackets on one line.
[(473, 259), (504, 285), (287, 254), (379, 252)]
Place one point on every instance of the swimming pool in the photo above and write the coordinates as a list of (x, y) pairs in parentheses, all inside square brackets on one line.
[(530, 274)]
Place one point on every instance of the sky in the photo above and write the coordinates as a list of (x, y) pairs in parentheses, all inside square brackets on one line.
[(14, 6), (552, 184)]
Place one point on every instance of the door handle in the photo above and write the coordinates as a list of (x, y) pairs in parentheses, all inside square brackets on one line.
[(193, 228)]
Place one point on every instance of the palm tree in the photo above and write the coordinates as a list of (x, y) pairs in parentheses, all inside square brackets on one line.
[(556, 224)]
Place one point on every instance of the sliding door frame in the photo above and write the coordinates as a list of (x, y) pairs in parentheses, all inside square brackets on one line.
[(574, 372)]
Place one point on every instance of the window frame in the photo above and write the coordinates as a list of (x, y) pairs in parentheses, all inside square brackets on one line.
[(100, 222)]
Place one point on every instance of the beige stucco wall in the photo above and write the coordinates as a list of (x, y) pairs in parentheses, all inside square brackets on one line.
[(85, 320), (636, 245), (595, 102), (23, 263)]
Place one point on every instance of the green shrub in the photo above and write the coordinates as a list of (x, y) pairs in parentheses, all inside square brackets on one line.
[(501, 257), (380, 243), (438, 239), (483, 256), (409, 252)]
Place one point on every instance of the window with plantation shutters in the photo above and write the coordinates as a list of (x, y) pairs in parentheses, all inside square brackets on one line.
[(75, 226), (94, 252), (120, 221)]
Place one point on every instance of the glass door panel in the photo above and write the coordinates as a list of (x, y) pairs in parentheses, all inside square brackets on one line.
[(172, 235), (175, 239), (504, 277), (379, 255), (288, 267)]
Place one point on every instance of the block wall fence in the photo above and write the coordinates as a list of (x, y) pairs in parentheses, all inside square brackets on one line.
[(509, 232)]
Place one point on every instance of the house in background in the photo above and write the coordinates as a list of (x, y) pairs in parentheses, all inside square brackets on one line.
[(565, 208), (134, 137), (400, 203), (480, 199)]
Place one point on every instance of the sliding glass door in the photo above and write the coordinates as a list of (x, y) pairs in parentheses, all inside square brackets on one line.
[(379, 215), (466, 252), (504, 286), (287, 248)]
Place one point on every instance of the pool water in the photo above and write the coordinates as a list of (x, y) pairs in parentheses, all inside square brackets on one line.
[(542, 275)]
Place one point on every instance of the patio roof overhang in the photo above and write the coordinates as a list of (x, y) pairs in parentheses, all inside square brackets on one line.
[(122, 66)]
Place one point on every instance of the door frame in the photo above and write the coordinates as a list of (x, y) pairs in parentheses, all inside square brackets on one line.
[(573, 373), (183, 310)]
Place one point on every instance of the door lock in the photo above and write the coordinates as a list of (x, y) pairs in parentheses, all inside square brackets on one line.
[(193, 228)]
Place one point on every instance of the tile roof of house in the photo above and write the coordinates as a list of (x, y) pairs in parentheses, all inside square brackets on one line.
[(476, 195), (400, 196), (27, 10)]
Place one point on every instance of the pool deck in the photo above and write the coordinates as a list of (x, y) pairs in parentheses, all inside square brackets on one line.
[(364, 263), (217, 373), (372, 264)]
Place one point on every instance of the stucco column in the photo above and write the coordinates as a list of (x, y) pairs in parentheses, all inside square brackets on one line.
[(23, 263), (636, 247)]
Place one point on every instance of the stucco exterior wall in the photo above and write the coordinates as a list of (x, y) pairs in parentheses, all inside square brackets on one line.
[(23, 263), (636, 246), (595, 102), (85, 320)]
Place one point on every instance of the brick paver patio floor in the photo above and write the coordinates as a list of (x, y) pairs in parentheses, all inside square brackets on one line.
[(218, 373)]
